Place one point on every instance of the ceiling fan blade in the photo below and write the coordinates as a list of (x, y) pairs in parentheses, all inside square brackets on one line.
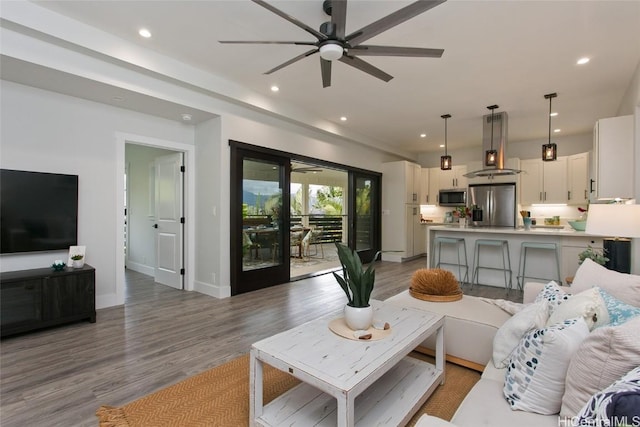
[(368, 50), (339, 16), (325, 69), (294, 21), (390, 21), (366, 67), (265, 42), (292, 60)]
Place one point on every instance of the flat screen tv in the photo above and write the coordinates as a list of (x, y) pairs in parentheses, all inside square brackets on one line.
[(38, 211)]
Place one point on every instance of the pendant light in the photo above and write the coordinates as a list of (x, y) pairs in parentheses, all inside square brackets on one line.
[(549, 150), (445, 161), (491, 156)]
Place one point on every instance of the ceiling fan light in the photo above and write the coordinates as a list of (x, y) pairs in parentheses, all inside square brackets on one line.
[(331, 51)]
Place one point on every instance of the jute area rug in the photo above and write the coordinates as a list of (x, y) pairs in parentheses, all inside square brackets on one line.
[(220, 397)]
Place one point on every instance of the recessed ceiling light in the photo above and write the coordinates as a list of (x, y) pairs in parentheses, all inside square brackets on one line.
[(343, 118), (441, 145), (582, 61), (423, 135), (553, 114), (557, 130), (274, 88), (144, 33), (186, 117)]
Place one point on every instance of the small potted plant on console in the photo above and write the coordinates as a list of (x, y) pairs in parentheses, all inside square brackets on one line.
[(77, 260)]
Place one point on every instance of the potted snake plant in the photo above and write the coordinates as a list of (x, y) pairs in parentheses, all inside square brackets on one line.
[(357, 284)]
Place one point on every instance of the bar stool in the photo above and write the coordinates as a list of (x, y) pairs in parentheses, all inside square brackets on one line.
[(523, 261), (459, 243), (503, 245)]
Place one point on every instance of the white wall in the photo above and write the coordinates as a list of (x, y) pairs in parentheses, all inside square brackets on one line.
[(141, 246), (49, 132)]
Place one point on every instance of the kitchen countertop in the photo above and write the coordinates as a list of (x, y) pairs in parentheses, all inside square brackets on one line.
[(565, 232)]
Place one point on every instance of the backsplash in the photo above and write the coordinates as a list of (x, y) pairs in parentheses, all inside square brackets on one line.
[(566, 213)]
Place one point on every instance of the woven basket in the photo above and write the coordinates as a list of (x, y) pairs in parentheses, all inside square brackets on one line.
[(435, 298)]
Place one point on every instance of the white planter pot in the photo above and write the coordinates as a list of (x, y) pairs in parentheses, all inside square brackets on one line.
[(358, 317), (77, 264)]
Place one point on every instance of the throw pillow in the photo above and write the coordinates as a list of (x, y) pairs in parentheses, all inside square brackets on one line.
[(603, 357), (533, 316), (619, 312), (535, 377), (587, 304), (625, 287), (552, 293), (602, 409)]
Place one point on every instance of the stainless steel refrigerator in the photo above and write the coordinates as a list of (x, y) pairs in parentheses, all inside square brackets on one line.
[(493, 205)]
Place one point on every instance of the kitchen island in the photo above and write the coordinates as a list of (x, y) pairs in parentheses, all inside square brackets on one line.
[(539, 263)]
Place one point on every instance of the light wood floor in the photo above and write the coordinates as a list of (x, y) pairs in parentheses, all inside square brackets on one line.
[(60, 376)]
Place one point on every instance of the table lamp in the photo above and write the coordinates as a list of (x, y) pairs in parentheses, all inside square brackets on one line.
[(619, 222)]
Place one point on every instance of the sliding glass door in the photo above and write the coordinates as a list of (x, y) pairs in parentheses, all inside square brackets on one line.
[(259, 247), (364, 218)]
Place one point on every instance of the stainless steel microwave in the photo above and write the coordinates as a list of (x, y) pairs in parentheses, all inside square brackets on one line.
[(455, 197)]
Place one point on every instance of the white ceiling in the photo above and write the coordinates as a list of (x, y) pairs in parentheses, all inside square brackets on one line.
[(508, 53)]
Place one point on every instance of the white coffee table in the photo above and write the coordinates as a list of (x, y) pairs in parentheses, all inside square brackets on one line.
[(352, 382)]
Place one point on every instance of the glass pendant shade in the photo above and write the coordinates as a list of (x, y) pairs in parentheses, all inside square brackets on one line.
[(445, 162), (549, 152), (490, 157), (550, 149)]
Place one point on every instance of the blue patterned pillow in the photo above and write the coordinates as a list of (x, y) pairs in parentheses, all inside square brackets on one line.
[(615, 405), (619, 312), (552, 293), (535, 377)]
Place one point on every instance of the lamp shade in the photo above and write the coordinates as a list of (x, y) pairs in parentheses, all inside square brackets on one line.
[(614, 220)]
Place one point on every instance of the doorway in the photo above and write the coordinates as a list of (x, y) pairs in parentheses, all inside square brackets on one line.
[(288, 211), (141, 210)]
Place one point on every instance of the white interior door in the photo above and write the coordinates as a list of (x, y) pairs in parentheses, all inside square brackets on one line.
[(169, 214)]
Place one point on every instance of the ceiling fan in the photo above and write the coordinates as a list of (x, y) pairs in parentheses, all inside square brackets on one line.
[(333, 44), (305, 169)]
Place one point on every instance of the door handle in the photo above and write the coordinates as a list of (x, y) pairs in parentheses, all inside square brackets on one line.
[(541, 196), (585, 193), (155, 225), (568, 195), (591, 181), (545, 195)]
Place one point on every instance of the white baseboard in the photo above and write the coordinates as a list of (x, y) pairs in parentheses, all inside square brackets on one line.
[(212, 290), (141, 268)]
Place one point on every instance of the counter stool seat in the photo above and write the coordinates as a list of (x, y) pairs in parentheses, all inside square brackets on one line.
[(523, 261), (459, 243), (503, 245)]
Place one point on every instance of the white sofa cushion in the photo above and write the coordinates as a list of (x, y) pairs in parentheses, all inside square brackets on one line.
[(536, 373), (533, 316), (625, 287), (470, 325), (603, 357), (484, 406)]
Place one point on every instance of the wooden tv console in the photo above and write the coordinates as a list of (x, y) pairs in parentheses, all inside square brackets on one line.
[(40, 298)]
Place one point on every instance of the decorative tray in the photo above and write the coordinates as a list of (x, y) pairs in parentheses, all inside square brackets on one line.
[(339, 327)]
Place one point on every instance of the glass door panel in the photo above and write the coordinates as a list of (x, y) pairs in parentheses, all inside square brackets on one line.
[(364, 218), (258, 218)]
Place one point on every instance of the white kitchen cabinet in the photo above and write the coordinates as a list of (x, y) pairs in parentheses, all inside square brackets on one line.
[(543, 182), (571, 248), (453, 178), (613, 159), (578, 179), (402, 180), (434, 186), (423, 196), (401, 186), (415, 243)]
